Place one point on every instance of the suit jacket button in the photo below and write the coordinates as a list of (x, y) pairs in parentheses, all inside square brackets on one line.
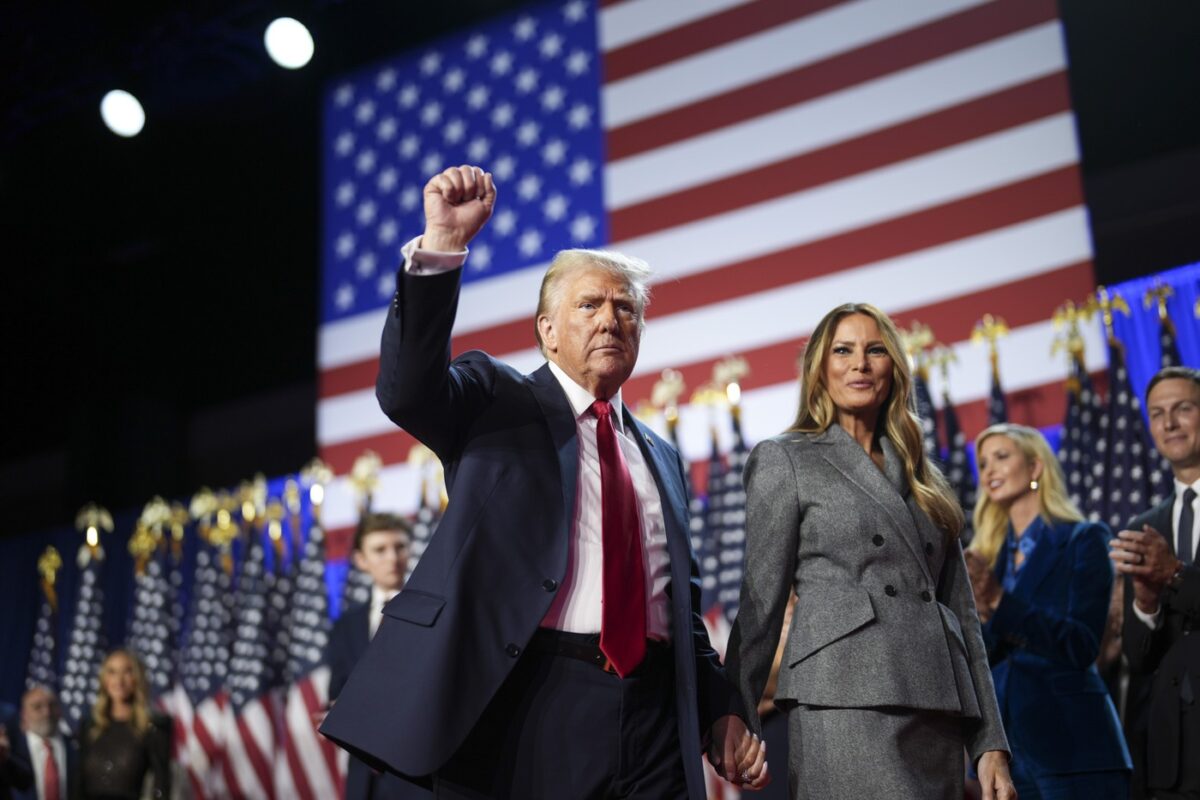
[(549, 584), (929, 548), (926, 596), (513, 650), (890, 590), (878, 540)]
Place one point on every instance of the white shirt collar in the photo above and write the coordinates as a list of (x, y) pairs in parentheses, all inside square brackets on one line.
[(1181, 487), (379, 598), (581, 399)]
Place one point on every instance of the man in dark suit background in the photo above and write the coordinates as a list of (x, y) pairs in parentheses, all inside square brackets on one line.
[(1161, 635), (42, 749), (548, 644), (381, 544)]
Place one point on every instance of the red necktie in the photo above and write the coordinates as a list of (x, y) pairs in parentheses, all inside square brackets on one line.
[(50, 789), (623, 614)]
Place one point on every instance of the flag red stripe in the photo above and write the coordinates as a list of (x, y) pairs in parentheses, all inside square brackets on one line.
[(924, 135), (702, 34), (311, 701), (296, 763), (1007, 205), (959, 32), (258, 761), (1022, 302)]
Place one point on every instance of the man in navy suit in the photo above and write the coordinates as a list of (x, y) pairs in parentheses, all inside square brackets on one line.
[(42, 749), (548, 644), (1161, 635), (380, 550)]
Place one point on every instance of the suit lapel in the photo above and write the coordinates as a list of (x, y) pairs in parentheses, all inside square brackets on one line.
[(1163, 521), (661, 463), (1044, 558), (560, 419), (888, 491)]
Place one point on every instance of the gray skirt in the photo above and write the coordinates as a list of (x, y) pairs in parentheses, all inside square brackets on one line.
[(890, 753)]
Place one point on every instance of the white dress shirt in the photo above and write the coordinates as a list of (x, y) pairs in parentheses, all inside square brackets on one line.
[(577, 606), (379, 598), (37, 754), (1155, 619)]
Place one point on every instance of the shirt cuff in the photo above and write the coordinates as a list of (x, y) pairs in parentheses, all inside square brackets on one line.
[(429, 262), (1151, 621)]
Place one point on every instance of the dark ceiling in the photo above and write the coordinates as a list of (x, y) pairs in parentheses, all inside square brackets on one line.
[(161, 292)]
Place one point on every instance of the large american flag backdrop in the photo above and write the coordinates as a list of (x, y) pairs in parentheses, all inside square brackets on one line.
[(769, 159)]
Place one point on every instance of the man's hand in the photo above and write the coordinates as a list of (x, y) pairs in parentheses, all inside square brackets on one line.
[(5, 746), (737, 755), (458, 201), (986, 588), (1144, 556), (994, 777)]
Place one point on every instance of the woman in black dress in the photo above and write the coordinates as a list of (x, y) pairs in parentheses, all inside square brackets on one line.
[(123, 750)]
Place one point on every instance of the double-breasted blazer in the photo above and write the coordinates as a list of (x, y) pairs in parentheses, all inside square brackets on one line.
[(509, 446), (1043, 641), (884, 614)]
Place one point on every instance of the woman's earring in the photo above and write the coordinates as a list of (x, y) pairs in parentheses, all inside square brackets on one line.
[(1033, 485)]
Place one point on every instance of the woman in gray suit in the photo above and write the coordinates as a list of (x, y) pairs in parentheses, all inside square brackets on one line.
[(885, 677)]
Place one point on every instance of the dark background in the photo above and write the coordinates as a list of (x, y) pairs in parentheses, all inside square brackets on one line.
[(159, 305)]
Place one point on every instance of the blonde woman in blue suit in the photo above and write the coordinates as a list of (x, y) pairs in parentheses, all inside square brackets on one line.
[(884, 678), (1042, 582)]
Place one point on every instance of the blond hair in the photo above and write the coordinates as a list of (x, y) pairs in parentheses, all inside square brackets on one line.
[(901, 425), (1054, 504), (102, 710), (634, 272)]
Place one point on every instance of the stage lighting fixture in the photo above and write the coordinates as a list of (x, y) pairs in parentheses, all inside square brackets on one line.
[(289, 43), (122, 113)]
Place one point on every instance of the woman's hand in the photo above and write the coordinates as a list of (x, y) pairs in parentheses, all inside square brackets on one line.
[(994, 777), (984, 585)]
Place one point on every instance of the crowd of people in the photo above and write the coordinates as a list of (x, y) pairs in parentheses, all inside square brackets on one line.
[(549, 643)]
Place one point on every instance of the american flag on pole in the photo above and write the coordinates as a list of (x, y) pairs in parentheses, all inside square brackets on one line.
[(150, 631), (958, 463), (249, 719), (927, 412), (42, 669), (1081, 432), (997, 403), (769, 159), (200, 698), (87, 643)]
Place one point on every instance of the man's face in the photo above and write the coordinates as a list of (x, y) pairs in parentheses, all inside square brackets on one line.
[(594, 332), (384, 556), (1174, 409), (40, 712)]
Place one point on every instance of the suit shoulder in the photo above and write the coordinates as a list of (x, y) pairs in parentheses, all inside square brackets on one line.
[(1147, 517)]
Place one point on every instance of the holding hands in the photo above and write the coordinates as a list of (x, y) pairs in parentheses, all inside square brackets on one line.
[(1146, 558), (738, 755), (458, 201)]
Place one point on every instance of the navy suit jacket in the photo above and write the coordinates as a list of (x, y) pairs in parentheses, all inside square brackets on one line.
[(1043, 642), (347, 642), (509, 448), (21, 756), (1164, 669)]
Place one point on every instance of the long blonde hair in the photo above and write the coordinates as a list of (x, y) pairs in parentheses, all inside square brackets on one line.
[(102, 710), (900, 422), (1054, 504)]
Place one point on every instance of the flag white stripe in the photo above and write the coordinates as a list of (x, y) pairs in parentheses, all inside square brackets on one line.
[(768, 410), (759, 56), (304, 735), (249, 785), (634, 21), (857, 201), (871, 106)]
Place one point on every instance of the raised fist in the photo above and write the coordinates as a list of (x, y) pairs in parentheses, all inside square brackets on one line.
[(458, 201)]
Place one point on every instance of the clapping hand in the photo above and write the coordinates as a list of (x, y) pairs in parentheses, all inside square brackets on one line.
[(983, 584)]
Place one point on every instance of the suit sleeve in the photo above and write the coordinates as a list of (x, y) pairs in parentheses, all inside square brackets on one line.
[(418, 387), (1071, 639), (338, 655), (954, 589), (773, 520)]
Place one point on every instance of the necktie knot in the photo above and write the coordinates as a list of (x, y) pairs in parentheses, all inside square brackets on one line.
[(602, 409), (1189, 497)]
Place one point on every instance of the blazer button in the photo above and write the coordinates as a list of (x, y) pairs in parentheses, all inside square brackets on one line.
[(929, 548), (512, 650), (878, 540), (889, 590), (926, 596), (549, 584)]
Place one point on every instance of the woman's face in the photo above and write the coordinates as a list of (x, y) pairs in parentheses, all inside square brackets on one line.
[(858, 369), (118, 678), (1004, 472)]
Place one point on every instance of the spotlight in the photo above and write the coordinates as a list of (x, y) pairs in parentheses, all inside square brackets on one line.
[(289, 43), (122, 113)]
